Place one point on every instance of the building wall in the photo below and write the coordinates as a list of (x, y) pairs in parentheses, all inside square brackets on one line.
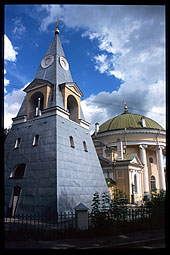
[(152, 167), (57, 176), (145, 138), (38, 192)]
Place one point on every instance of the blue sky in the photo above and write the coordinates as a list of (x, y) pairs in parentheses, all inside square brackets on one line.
[(114, 53)]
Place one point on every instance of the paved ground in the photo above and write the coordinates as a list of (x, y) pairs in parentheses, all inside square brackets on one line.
[(147, 240)]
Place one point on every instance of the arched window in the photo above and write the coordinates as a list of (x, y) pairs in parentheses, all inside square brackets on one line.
[(153, 183), (85, 146), (18, 171), (72, 142), (72, 108), (35, 141), (35, 105), (135, 183), (17, 143), (14, 201)]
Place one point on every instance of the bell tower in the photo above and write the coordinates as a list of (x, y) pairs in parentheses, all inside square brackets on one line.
[(50, 142)]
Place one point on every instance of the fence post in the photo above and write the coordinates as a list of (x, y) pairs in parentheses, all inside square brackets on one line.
[(81, 213)]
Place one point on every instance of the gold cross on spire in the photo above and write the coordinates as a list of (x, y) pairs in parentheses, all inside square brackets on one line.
[(57, 30)]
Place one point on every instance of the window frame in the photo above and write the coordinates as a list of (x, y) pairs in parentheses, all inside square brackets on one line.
[(153, 181)]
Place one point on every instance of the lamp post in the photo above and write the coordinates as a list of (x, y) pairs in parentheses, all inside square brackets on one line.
[(133, 195)]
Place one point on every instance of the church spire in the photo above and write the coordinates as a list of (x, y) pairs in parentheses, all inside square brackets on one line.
[(54, 66)]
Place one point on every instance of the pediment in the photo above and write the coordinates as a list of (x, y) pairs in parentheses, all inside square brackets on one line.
[(133, 158), (36, 83), (136, 160), (72, 86)]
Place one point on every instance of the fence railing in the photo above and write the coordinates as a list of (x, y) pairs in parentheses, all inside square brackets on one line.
[(67, 220), (58, 221), (120, 214)]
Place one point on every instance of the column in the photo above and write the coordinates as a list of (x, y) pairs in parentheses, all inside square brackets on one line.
[(145, 170), (161, 168)]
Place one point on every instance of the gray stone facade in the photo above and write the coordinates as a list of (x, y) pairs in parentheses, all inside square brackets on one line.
[(57, 176)]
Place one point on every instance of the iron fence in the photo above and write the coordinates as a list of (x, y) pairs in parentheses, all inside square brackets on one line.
[(57, 221), (67, 220), (120, 214)]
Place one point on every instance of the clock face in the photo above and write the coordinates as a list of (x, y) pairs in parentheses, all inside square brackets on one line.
[(64, 64), (47, 61)]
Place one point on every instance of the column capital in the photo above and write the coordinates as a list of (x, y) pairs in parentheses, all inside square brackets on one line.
[(160, 147), (143, 146)]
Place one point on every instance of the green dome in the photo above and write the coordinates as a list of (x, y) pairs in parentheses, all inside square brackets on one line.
[(129, 121)]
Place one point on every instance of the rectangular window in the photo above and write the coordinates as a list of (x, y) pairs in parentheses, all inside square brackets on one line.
[(85, 146), (72, 142), (120, 174), (17, 143)]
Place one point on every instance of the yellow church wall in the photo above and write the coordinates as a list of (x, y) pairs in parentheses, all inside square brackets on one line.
[(133, 149), (131, 138), (152, 167), (122, 183), (99, 152)]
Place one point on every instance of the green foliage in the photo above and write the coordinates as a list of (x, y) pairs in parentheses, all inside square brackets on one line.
[(156, 200), (157, 204), (106, 210), (119, 197)]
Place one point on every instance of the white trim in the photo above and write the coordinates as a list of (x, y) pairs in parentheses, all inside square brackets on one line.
[(69, 87), (139, 143), (84, 124), (19, 119), (131, 131)]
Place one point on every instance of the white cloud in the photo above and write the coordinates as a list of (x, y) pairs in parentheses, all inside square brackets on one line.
[(53, 12), (9, 51), (19, 27), (12, 104), (131, 46), (140, 100), (101, 63), (6, 83)]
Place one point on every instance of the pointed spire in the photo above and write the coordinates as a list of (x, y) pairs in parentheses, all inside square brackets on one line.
[(125, 106), (51, 68)]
